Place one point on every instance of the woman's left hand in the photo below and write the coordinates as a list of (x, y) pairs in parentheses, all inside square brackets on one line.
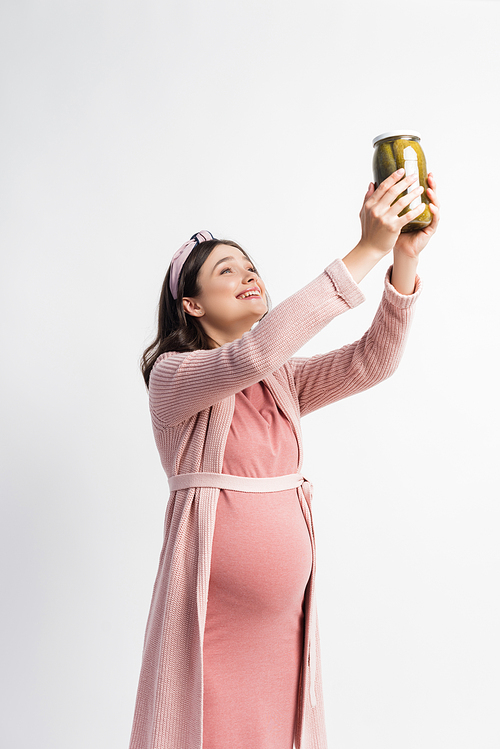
[(412, 243)]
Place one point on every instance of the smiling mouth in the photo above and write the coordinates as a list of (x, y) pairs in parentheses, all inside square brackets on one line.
[(251, 294)]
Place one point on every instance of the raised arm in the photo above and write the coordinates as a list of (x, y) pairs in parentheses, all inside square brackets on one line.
[(182, 384), (324, 379)]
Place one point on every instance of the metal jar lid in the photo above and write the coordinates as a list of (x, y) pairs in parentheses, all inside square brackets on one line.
[(396, 134)]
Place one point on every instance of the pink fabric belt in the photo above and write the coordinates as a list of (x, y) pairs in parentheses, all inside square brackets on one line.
[(235, 483), (260, 486)]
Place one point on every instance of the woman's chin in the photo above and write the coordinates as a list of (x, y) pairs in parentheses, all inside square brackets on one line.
[(259, 312)]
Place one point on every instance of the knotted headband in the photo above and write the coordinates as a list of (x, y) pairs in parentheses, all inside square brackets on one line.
[(180, 258)]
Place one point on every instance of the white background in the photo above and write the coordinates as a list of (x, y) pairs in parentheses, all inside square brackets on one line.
[(128, 126)]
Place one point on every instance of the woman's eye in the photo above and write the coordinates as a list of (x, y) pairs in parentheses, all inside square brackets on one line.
[(229, 270)]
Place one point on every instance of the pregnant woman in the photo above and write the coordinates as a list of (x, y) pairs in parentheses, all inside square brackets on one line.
[(231, 656)]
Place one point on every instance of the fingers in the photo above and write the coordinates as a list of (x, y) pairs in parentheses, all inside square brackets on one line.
[(388, 191), (370, 191), (401, 187), (396, 182), (390, 181), (413, 213), (380, 214), (408, 198), (397, 199), (433, 197), (434, 205), (431, 190), (431, 180)]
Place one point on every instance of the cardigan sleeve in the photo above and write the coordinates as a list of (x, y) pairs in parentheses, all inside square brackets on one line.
[(326, 378), (182, 384)]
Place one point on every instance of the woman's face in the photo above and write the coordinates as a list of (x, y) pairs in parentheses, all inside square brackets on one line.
[(232, 296)]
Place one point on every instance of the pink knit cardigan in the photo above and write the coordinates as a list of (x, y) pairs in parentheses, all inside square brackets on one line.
[(192, 403)]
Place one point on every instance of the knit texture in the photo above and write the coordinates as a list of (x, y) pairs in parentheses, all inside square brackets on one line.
[(192, 403)]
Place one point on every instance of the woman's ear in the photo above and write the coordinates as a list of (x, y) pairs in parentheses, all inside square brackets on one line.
[(191, 307)]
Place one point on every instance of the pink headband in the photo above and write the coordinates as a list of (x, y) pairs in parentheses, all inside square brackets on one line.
[(181, 256)]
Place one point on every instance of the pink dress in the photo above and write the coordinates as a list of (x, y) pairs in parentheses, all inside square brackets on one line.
[(261, 563)]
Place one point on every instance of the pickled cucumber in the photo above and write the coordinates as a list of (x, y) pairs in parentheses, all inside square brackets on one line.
[(384, 163), (388, 157)]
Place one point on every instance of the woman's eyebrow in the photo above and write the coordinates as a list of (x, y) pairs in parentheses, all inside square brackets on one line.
[(222, 260), (225, 259)]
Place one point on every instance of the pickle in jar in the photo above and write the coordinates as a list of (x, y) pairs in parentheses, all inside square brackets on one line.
[(402, 149)]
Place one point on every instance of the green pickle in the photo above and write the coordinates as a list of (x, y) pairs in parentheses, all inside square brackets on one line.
[(389, 156)]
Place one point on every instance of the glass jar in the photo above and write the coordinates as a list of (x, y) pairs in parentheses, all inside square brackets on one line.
[(401, 149)]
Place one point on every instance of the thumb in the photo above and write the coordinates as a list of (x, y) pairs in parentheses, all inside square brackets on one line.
[(371, 190)]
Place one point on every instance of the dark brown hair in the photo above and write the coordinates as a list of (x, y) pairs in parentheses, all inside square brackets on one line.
[(178, 331)]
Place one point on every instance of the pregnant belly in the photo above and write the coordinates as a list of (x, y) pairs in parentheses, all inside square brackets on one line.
[(254, 633), (261, 557)]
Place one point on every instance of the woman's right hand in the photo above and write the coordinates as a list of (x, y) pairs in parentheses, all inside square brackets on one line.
[(380, 222)]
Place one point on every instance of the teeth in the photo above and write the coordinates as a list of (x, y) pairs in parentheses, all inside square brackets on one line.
[(249, 293)]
